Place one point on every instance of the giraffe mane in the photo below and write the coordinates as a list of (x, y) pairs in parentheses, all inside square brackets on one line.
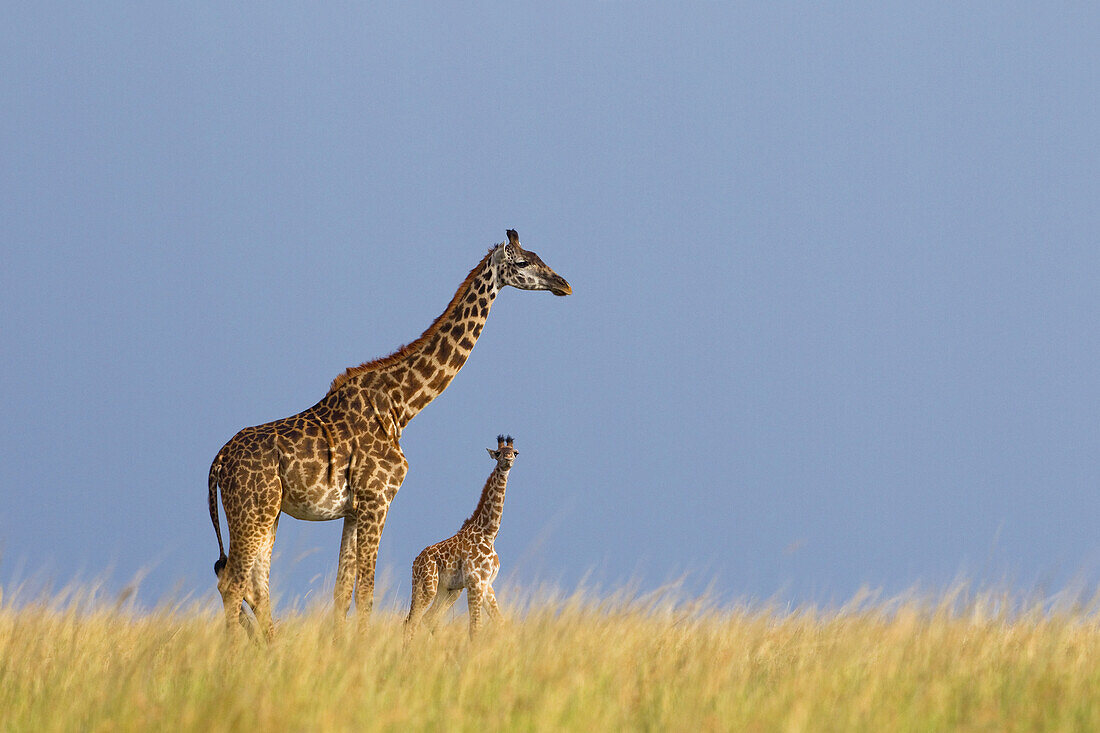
[(404, 351), (480, 502)]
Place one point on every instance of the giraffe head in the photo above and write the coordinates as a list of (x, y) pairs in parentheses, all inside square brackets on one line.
[(505, 454), (521, 268)]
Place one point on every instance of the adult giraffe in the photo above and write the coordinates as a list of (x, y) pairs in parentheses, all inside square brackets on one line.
[(341, 458)]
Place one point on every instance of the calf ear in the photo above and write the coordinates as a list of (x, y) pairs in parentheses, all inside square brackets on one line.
[(494, 454)]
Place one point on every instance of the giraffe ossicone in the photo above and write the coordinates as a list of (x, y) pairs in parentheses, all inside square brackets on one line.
[(341, 458), (466, 561)]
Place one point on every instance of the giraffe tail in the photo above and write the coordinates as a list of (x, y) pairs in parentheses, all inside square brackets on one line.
[(215, 471)]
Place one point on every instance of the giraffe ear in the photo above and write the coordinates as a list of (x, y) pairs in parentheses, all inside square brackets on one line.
[(513, 237), (494, 454)]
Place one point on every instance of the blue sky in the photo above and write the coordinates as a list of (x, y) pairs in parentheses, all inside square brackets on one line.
[(835, 270)]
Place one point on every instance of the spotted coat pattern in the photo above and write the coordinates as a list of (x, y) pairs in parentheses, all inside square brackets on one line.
[(341, 458), (465, 561)]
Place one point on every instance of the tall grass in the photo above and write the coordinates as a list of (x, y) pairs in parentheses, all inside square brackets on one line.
[(955, 662)]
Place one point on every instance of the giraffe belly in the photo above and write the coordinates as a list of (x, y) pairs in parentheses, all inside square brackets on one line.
[(452, 578), (317, 503)]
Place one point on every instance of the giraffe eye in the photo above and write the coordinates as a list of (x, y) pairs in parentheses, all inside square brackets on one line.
[(522, 263)]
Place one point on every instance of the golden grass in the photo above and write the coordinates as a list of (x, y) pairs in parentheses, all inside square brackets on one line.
[(955, 663)]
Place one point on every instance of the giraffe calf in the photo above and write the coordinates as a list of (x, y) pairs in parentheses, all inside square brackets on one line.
[(466, 561)]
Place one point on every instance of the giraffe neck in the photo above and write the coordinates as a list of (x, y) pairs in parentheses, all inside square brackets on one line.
[(486, 517), (416, 374)]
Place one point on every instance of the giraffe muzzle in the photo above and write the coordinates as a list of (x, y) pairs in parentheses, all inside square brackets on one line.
[(561, 287)]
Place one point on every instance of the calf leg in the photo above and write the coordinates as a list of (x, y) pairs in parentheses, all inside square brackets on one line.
[(475, 596), (494, 609), (443, 602), (425, 585)]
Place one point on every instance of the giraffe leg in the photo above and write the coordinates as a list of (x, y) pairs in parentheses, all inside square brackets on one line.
[(371, 518), (425, 584), (232, 574), (234, 584), (345, 574), (475, 596), (375, 484), (247, 621), (443, 602), (491, 600), (261, 575), (251, 530)]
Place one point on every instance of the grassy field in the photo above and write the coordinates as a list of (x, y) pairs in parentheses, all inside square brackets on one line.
[(957, 662)]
